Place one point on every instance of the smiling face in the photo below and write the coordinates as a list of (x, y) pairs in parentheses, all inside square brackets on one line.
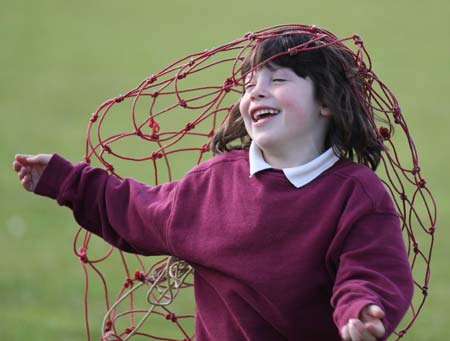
[(282, 116)]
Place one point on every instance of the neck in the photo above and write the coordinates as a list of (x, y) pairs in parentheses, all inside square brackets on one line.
[(292, 158)]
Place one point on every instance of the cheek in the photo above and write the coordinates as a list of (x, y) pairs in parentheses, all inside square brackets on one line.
[(301, 105), (243, 106), (243, 109)]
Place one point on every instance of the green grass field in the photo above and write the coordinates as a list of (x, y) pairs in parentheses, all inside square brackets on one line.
[(60, 60)]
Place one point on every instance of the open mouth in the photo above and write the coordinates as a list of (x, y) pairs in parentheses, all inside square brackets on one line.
[(264, 113)]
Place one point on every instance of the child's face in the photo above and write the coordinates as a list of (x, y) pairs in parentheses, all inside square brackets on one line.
[(281, 113)]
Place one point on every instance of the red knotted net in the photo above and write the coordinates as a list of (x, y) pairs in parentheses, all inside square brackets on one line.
[(163, 127)]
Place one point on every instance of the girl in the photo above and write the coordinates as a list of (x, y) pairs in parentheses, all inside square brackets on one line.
[(289, 238)]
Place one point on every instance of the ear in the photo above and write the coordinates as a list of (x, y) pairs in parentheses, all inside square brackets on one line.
[(325, 111)]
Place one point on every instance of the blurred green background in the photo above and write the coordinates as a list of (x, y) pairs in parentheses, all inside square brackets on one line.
[(59, 60)]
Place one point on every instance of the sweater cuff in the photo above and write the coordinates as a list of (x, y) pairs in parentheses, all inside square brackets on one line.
[(53, 177)]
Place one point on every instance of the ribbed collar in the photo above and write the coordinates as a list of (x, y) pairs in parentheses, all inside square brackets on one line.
[(298, 176)]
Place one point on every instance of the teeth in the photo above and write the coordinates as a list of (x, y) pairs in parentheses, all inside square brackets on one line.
[(266, 111), (261, 112)]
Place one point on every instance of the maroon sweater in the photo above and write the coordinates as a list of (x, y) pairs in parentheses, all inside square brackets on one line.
[(272, 262)]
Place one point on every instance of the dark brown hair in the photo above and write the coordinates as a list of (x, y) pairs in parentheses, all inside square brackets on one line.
[(337, 85)]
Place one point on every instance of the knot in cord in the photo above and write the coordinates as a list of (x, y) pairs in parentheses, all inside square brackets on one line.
[(82, 255), (172, 317), (140, 276), (128, 283), (385, 133)]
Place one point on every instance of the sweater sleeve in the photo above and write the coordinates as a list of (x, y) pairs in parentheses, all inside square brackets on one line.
[(371, 264), (126, 213)]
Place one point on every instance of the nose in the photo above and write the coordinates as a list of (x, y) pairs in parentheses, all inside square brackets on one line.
[(259, 90)]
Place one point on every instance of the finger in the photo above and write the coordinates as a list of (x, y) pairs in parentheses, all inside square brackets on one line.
[(354, 330), (363, 331), (32, 159), (17, 165), (375, 328), (41, 159), (27, 183), (27, 159), (345, 334), (372, 316), (23, 171), (358, 331), (22, 158), (375, 311), (366, 336)]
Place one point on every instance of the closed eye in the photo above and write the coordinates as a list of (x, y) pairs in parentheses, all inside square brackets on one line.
[(248, 86), (278, 80)]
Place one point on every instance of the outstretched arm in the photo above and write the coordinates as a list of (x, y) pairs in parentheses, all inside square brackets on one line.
[(373, 286), (29, 168), (126, 213)]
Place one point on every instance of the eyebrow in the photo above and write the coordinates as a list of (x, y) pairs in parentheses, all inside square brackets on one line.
[(272, 66)]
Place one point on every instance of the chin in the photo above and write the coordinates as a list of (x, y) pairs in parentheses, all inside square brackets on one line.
[(265, 143)]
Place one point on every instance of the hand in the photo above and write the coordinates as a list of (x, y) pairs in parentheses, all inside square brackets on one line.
[(29, 168), (368, 327)]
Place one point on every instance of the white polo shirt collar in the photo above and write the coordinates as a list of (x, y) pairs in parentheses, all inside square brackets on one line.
[(298, 176)]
